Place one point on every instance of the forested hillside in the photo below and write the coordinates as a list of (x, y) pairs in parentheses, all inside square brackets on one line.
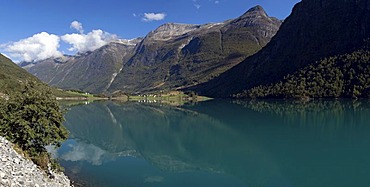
[(346, 75)]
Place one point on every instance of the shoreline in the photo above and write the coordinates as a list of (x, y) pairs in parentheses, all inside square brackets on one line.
[(80, 99), (16, 170)]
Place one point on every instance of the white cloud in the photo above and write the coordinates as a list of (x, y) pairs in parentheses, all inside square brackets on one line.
[(214, 1), (154, 16), (38, 47), (78, 26), (44, 45), (88, 42), (196, 4), (85, 152)]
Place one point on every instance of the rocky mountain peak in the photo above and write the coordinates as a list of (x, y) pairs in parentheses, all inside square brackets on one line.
[(133, 41), (255, 11), (169, 30), (257, 8), (315, 29), (175, 26), (257, 17)]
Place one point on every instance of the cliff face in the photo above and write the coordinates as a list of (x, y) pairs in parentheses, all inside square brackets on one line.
[(315, 29)]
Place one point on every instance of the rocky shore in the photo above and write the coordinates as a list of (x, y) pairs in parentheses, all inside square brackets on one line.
[(17, 171)]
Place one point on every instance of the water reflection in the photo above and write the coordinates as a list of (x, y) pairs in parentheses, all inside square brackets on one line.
[(261, 143), (329, 114), (81, 151)]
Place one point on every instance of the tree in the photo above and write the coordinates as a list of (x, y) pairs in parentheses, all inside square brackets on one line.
[(32, 119), (345, 75)]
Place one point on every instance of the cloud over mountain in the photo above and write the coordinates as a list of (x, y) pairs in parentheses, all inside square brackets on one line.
[(37, 47), (88, 42), (45, 45), (154, 16)]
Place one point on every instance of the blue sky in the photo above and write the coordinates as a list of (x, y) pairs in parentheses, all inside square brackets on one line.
[(22, 19)]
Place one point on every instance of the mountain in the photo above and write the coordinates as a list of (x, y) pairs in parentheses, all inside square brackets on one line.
[(91, 71), (12, 75), (337, 76), (13, 78), (180, 55), (315, 30), (172, 56)]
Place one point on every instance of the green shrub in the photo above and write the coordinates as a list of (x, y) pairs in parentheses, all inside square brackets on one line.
[(32, 119)]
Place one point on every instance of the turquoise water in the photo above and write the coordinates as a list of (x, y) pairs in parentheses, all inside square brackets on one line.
[(219, 143)]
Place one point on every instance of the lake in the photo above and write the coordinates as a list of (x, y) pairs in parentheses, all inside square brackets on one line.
[(219, 143)]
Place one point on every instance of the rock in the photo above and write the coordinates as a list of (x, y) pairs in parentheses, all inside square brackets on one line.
[(18, 171), (2, 175), (16, 160)]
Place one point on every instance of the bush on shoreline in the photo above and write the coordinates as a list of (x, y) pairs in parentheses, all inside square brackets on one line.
[(32, 119)]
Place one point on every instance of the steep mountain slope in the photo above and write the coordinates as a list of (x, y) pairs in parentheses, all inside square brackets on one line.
[(92, 71), (345, 75), (13, 78), (12, 75), (316, 29), (180, 55)]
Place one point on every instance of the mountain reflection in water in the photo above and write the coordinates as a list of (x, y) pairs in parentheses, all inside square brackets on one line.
[(219, 143)]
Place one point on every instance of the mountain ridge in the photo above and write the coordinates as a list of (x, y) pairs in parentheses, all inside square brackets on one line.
[(12, 76), (175, 55), (192, 54), (91, 71), (315, 29)]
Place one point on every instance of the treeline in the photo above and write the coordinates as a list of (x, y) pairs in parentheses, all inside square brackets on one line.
[(32, 119), (341, 76)]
